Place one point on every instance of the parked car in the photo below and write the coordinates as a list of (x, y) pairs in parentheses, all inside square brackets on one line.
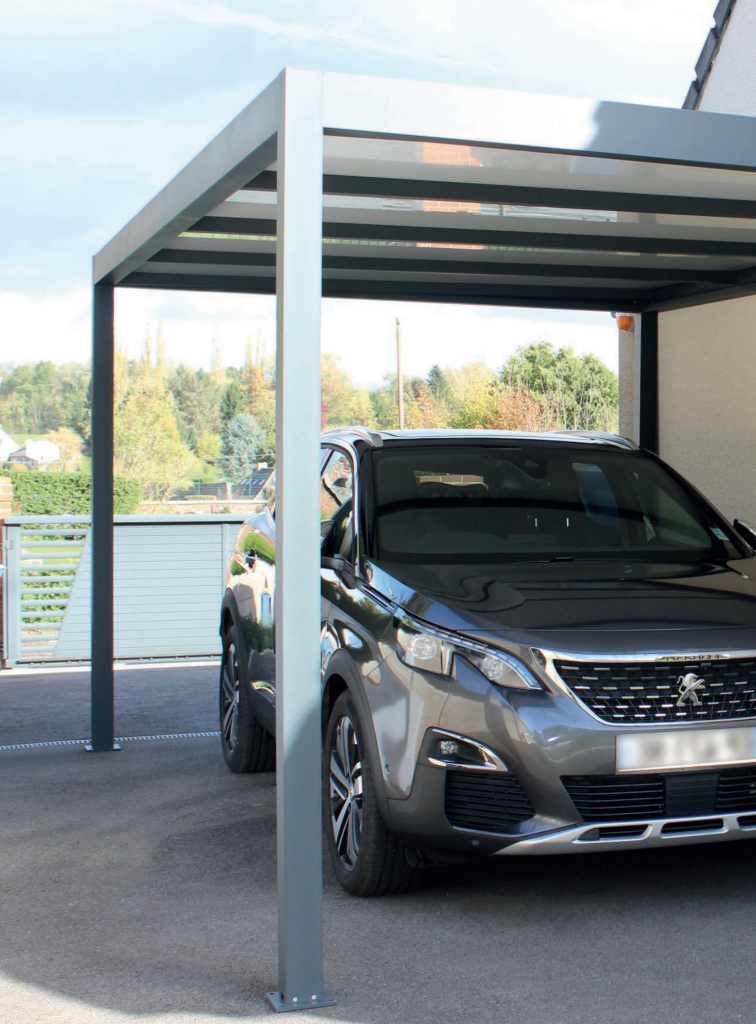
[(532, 643)]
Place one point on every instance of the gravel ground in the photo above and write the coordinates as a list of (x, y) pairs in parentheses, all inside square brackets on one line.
[(139, 887)]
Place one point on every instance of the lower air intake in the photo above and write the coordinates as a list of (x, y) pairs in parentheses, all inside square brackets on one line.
[(485, 801)]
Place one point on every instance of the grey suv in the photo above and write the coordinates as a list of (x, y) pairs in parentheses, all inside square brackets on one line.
[(531, 643)]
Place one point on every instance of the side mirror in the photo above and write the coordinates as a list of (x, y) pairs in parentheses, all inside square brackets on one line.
[(746, 531), (342, 566)]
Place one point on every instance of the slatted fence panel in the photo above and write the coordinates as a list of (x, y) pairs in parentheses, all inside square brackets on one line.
[(169, 579)]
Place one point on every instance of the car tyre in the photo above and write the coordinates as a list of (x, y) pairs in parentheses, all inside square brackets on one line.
[(368, 858), (247, 746)]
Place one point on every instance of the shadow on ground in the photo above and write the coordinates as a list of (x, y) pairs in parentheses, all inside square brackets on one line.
[(143, 883)]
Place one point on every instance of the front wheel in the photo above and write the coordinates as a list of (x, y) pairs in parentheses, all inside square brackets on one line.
[(368, 859), (247, 746)]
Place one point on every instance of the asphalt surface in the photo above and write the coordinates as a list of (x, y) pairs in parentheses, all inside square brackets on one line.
[(139, 887)]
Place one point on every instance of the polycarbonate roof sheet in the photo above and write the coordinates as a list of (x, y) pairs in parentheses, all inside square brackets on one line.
[(547, 206)]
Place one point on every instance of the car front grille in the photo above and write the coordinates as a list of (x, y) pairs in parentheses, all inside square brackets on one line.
[(678, 795), (616, 797), (638, 692), (485, 801)]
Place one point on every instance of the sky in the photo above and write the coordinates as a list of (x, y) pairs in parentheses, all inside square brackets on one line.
[(103, 101)]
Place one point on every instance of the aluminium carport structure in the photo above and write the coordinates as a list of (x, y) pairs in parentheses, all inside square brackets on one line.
[(358, 187)]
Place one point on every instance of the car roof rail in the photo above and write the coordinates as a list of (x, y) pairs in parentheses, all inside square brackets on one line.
[(599, 437), (371, 436)]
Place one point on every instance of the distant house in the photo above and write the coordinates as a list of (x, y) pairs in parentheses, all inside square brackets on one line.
[(36, 454), (252, 486), (7, 445)]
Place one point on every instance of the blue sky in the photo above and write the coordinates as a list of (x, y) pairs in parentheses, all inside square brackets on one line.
[(103, 101)]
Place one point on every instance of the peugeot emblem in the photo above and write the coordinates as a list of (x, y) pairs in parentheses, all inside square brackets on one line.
[(687, 687)]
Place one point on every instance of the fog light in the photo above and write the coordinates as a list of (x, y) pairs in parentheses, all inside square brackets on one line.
[(448, 748)]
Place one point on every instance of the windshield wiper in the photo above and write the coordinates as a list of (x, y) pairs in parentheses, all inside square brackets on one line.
[(544, 561)]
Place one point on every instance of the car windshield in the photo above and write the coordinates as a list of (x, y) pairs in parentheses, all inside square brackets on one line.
[(477, 503)]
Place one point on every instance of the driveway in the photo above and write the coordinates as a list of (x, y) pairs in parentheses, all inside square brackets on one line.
[(139, 886)]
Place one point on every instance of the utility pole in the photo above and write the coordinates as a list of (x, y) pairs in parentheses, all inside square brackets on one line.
[(399, 379)]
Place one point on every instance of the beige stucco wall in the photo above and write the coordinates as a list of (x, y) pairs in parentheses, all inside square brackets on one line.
[(707, 354), (731, 85), (626, 375), (707, 407)]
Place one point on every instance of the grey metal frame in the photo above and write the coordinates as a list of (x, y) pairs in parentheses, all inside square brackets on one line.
[(277, 144), (298, 739), (102, 677)]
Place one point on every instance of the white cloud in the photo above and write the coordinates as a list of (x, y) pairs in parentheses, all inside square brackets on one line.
[(335, 31), (593, 47), (55, 327)]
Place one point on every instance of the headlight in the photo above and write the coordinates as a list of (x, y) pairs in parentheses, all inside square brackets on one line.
[(433, 651)]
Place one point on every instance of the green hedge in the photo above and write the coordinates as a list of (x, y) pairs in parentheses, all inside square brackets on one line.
[(61, 494)]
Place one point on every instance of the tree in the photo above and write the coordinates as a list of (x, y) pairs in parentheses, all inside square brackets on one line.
[(424, 409), (257, 385), (70, 445), (343, 403), (241, 445), (581, 392), (437, 382), (232, 403), (147, 443), (198, 399)]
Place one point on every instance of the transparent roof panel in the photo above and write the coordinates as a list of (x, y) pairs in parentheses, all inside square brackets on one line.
[(253, 203), (435, 161), (649, 205)]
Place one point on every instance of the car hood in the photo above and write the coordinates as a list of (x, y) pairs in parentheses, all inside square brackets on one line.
[(597, 607)]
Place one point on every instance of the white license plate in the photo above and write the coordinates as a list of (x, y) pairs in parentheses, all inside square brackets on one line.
[(685, 748)]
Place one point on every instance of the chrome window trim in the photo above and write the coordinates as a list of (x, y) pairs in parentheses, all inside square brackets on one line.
[(553, 676), (343, 448)]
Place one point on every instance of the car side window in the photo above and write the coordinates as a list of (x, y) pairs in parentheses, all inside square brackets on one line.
[(336, 504)]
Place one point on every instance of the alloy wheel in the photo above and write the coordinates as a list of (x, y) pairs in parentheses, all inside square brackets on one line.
[(346, 791), (230, 697)]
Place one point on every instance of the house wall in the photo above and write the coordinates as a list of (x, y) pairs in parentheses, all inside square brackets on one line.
[(707, 354), (731, 84), (707, 386), (626, 375)]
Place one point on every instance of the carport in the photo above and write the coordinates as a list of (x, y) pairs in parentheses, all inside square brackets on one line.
[(357, 187)]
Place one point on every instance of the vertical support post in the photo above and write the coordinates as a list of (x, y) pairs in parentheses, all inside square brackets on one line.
[(646, 398), (12, 603), (399, 377), (102, 677), (298, 610)]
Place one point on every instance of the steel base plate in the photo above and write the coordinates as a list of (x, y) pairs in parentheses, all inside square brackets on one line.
[(280, 1005), (91, 750)]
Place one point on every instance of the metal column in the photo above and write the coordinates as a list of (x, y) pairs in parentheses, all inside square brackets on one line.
[(298, 726), (102, 685), (647, 380)]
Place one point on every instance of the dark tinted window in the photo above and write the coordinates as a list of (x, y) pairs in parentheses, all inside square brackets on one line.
[(336, 506), (461, 503)]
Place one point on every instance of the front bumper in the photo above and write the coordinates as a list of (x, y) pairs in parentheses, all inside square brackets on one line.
[(563, 761), (633, 835)]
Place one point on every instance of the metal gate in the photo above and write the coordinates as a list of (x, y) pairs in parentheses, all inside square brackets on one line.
[(170, 575)]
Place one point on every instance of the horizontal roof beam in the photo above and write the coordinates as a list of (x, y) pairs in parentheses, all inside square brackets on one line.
[(572, 241), (387, 264), (464, 293), (521, 195), (683, 295)]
